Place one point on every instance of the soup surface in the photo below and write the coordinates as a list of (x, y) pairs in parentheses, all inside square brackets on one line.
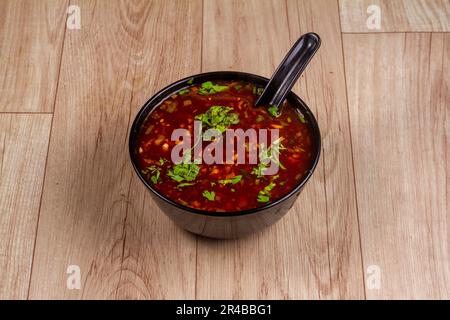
[(227, 187)]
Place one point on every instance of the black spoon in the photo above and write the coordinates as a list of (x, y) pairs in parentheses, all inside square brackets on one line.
[(289, 71)]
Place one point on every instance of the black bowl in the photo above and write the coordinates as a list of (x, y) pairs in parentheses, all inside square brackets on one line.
[(222, 225)]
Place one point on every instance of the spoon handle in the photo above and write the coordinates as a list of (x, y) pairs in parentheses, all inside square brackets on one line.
[(289, 70)]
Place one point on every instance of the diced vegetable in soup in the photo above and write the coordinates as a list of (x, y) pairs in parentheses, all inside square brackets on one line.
[(234, 185)]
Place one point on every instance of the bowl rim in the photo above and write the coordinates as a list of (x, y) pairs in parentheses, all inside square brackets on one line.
[(174, 87)]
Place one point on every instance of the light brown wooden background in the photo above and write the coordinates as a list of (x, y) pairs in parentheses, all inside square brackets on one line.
[(68, 194)]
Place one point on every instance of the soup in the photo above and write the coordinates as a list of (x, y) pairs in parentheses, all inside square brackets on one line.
[(235, 185)]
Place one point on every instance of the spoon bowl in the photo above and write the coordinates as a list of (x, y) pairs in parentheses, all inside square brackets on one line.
[(288, 72)]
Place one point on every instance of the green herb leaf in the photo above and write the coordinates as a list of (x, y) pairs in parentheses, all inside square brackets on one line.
[(183, 91), (302, 118), (257, 90), (184, 172), (148, 170), (190, 81), (175, 177), (264, 194), (155, 177), (269, 187), (155, 173), (263, 198), (236, 179), (233, 180), (210, 88), (218, 117), (272, 153), (209, 195), (162, 161), (185, 184), (238, 87), (273, 110), (259, 170)]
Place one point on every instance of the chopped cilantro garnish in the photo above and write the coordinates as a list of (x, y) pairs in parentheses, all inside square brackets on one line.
[(185, 184), (155, 173), (258, 91), (218, 117), (263, 198), (302, 118), (272, 153), (184, 172), (190, 81), (269, 187), (259, 170), (238, 87), (236, 179), (162, 161), (210, 88), (233, 180), (149, 169), (264, 194), (209, 195), (155, 177), (183, 91), (273, 110)]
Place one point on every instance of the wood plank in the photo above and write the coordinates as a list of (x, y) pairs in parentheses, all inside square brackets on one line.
[(95, 214), (23, 152), (159, 258), (291, 258), (323, 88), (397, 15), (399, 109), (31, 37)]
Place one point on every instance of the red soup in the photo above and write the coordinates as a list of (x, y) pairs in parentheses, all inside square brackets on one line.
[(228, 186)]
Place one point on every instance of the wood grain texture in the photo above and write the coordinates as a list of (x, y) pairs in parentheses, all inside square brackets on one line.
[(399, 120), (31, 37), (379, 195), (159, 258), (95, 214), (323, 88), (23, 151), (291, 259), (397, 15)]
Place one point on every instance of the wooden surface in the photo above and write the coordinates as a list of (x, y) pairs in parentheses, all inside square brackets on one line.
[(23, 152), (31, 37), (68, 194), (396, 15), (400, 142)]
